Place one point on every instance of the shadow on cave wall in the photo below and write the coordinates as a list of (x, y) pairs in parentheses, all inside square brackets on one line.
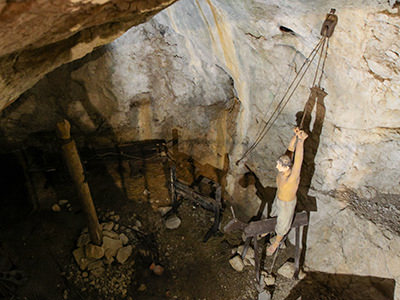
[(305, 202), (311, 144), (265, 194), (325, 286)]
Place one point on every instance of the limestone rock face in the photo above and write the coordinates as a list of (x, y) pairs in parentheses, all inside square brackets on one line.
[(39, 36), (360, 77), (186, 60), (341, 243), (215, 70), (139, 87)]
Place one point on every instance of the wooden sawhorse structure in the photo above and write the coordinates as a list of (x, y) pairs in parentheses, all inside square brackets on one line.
[(255, 229)]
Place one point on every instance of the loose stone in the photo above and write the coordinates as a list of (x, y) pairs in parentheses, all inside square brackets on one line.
[(173, 222), (237, 263)]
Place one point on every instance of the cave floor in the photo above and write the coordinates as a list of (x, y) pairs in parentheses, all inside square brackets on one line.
[(40, 243)]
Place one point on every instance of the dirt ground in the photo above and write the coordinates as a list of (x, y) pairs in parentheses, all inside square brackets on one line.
[(40, 243)]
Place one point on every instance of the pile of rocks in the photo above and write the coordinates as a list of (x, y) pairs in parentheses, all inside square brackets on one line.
[(286, 270), (237, 262), (107, 268)]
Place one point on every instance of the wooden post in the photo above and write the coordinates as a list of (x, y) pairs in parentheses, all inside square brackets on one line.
[(297, 254), (75, 169)]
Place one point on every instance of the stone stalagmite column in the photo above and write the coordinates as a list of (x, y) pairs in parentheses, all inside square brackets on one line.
[(75, 169)]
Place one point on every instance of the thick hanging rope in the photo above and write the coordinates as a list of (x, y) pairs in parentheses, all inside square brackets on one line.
[(307, 60), (323, 64), (278, 92), (315, 77), (327, 30), (279, 105), (283, 102)]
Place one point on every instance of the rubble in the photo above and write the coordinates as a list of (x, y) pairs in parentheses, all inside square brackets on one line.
[(62, 202), (93, 251), (269, 279), (264, 295), (112, 244), (164, 210), (107, 268), (124, 239), (123, 254), (108, 226), (83, 240), (249, 258)]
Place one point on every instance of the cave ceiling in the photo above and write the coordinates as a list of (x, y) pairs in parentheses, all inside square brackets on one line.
[(38, 36)]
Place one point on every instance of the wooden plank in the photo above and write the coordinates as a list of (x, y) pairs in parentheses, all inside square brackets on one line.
[(268, 225), (235, 225), (297, 254)]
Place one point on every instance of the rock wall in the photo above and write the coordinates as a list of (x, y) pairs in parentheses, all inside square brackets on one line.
[(194, 64), (215, 40), (359, 142), (360, 132), (39, 36), (142, 86), (341, 242)]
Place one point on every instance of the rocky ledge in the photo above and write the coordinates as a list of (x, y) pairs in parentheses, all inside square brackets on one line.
[(39, 36)]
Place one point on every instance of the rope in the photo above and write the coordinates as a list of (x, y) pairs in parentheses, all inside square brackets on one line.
[(319, 61), (278, 91), (323, 64), (279, 107), (320, 78), (287, 101), (263, 132)]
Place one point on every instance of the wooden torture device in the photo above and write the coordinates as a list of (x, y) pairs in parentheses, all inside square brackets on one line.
[(253, 230), (178, 189), (256, 229), (322, 47)]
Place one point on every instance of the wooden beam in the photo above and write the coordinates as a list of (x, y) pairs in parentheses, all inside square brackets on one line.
[(268, 225), (75, 169)]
